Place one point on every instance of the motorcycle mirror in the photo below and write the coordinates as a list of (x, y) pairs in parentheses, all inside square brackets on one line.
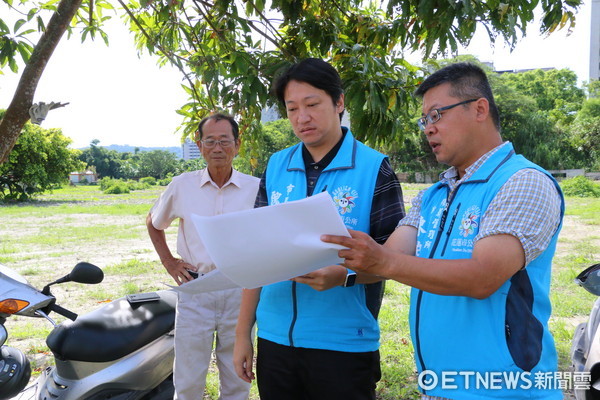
[(3, 335), (83, 272), (589, 279), (86, 273)]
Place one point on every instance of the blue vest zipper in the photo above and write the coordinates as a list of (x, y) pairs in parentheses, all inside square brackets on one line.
[(431, 254)]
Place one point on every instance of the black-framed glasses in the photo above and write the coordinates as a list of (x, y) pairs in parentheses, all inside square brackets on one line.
[(210, 143), (434, 116)]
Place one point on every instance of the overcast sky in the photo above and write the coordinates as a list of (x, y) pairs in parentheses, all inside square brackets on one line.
[(119, 98)]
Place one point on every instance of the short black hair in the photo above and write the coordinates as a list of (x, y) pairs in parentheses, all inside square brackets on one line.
[(218, 117), (467, 81), (315, 72)]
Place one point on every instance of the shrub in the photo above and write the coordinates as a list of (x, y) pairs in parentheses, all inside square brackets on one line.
[(105, 183), (150, 180), (165, 182), (134, 185), (580, 186), (118, 187)]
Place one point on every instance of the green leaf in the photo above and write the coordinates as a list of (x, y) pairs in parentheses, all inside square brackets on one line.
[(13, 65), (40, 24), (18, 24), (25, 51), (3, 28), (25, 33)]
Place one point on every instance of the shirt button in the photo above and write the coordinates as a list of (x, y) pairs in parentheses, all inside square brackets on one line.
[(316, 167), (311, 183)]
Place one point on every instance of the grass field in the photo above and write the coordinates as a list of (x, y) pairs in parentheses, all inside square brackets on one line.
[(44, 239)]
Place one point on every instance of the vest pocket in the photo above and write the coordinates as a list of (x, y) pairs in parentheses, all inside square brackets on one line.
[(522, 329)]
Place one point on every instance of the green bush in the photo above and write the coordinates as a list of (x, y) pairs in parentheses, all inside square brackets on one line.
[(105, 183), (165, 182), (118, 187), (135, 185), (150, 180), (580, 186)]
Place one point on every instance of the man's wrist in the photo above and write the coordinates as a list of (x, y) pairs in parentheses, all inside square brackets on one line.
[(350, 279)]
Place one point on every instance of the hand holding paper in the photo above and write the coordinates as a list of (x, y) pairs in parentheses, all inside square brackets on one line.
[(253, 248)]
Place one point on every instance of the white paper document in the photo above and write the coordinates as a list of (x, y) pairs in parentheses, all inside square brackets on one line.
[(257, 247)]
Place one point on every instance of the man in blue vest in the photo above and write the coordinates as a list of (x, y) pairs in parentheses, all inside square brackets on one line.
[(477, 249), (318, 336)]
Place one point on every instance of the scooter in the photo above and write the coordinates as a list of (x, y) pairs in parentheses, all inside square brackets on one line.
[(122, 350), (585, 350)]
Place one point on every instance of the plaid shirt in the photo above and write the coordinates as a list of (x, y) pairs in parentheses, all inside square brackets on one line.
[(527, 207)]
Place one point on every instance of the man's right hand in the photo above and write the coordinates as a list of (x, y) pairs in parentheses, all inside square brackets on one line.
[(243, 353), (179, 270)]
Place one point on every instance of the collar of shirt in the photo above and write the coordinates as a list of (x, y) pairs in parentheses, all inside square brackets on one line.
[(234, 179), (450, 176), (314, 169)]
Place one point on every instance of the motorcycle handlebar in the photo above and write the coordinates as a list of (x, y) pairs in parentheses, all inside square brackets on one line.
[(63, 311)]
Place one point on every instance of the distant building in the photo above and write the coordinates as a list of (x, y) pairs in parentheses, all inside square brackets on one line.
[(595, 41), (190, 150), (83, 177)]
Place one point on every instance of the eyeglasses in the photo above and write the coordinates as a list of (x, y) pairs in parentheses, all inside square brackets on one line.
[(210, 143), (434, 116)]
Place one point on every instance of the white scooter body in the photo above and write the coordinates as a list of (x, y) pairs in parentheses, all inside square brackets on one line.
[(122, 350)]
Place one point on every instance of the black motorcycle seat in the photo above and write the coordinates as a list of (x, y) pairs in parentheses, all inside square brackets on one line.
[(113, 330)]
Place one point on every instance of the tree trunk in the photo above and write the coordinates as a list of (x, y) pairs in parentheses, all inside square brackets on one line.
[(17, 113)]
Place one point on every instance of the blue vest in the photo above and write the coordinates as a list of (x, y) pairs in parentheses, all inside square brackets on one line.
[(506, 333), (294, 314)]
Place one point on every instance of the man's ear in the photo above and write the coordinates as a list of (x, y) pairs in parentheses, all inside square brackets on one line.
[(197, 139), (482, 108), (340, 106)]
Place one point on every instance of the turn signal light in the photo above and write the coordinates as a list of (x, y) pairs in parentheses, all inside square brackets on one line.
[(12, 306)]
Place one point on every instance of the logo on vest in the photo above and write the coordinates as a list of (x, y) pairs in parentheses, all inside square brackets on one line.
[(469, 223), (344, 198)]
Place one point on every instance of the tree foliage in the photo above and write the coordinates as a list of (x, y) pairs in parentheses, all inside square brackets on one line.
[(532, 115), (107, 162), (585, 133), (230, 51), (157, 163), (555, 91), (40, 161), (274, 136)]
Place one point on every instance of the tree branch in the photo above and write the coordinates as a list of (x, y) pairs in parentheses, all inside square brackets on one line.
[(17, 112)]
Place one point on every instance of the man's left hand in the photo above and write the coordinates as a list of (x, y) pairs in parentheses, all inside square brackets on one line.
[(324, 278)]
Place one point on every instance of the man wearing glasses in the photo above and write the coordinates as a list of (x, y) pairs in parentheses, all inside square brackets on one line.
[(215, 190), (477, 249)]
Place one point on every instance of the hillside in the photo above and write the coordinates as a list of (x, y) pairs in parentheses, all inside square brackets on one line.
[(125, 148)]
